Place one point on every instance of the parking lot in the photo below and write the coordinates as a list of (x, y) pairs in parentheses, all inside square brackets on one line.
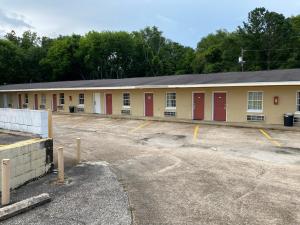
[(180, 173)]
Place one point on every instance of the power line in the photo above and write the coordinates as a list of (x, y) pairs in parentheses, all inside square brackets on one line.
[(262, 50)]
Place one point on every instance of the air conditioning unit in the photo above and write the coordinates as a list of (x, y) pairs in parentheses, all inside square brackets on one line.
[(60, 108), (79, 109), (10, 105), (255, 118), (297, 119), (24, 106), (42, 107), (170, 113), (125, 112)]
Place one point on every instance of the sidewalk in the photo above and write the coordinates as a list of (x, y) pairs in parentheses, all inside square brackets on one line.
[(215, 123)]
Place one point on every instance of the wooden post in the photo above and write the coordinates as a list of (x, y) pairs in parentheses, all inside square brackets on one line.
[(78, 142), (61, 172), (5, 182), (50, 126)]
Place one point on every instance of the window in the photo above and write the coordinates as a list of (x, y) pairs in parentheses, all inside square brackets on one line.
[(255, 101), (81, 99), (61, 98), (43, 99), (26, 101), (126, 100), (298, 101), (171, 100)]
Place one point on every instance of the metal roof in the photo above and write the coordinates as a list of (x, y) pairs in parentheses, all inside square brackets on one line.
[(272, 77)]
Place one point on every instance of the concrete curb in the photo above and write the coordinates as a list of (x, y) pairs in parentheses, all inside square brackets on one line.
[(175, 120), (23, 206)]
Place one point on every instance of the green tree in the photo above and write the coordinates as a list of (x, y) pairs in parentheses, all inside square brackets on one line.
[(266, 34), (61, 59), (10, 63)]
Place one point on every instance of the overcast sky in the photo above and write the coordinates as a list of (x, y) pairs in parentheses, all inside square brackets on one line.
[(184, 21)]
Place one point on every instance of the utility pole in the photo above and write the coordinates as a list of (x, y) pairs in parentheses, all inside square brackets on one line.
[(241, 59)]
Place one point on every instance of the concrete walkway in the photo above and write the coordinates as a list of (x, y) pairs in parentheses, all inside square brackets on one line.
[(91, 195), (215, 123)]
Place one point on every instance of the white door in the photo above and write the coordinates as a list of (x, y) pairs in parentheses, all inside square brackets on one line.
[(97, 103), (5, 104)]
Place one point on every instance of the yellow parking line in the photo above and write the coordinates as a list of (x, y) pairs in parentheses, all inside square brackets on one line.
[(196, 133), (140, 126), (274, 142)]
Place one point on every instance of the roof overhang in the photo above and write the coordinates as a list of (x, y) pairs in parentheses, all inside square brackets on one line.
[(253, 84)]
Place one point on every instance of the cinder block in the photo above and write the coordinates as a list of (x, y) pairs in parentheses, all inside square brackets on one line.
[(26, 158), (26, 167), (19, 170), (40, 171), (35, 155), (32, 174), (25, 149)]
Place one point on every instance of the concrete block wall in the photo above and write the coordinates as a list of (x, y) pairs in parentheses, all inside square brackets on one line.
[(32, 121), (29, 160)]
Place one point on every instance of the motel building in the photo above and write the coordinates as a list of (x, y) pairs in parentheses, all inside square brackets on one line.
[(238, 97)]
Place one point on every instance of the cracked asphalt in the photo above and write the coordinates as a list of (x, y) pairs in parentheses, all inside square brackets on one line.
[(91, 195), (175, 175)]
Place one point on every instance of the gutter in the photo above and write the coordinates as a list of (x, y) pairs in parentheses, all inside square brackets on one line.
[(251, 84)]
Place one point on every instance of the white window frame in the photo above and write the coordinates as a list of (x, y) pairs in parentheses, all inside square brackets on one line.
[(171, 107), (262, 103), (26, 98), (129, 100), (61, 98), (298, 101), (43, 99), (80, 98)]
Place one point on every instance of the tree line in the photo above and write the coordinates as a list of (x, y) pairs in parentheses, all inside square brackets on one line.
[(266, 40)]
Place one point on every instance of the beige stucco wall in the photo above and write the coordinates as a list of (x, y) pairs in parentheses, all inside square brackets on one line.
[(236, 101)]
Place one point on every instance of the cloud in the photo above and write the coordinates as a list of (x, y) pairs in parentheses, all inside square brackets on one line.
[(165, 19), (13, 20)]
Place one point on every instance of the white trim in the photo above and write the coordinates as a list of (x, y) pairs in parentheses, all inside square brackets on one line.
[(104, 101), (297, 92), (193, 93), (166, 100), (81, 93), (126, 106), (213, 104), (59, 103), (253, 110), (252, 84)]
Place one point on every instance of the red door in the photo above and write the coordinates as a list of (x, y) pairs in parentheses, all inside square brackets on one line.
[(20, 101), (36, 102), (149, 104), (198, 106), (54, 103), (220, 106), (108, 100)]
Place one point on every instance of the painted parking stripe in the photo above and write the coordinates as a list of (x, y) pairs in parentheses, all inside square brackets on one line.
[(196, 131), (274, 142), (140, 126)]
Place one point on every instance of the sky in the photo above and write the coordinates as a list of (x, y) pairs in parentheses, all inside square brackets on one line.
[(184, 21)]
